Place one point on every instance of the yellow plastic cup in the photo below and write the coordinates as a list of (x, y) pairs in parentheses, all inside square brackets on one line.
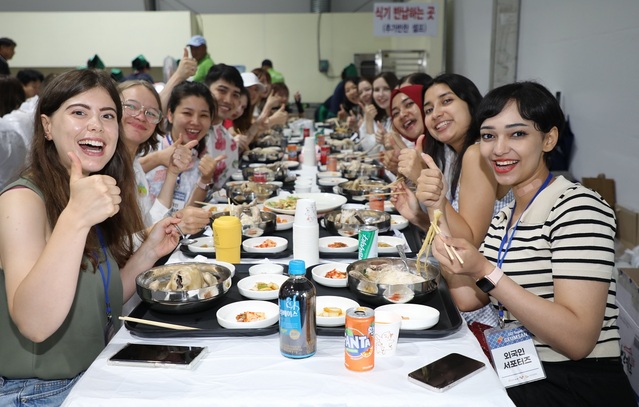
[(227, 235)]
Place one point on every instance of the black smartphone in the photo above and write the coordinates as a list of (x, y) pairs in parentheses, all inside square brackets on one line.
[(446, 372), (151, 355)]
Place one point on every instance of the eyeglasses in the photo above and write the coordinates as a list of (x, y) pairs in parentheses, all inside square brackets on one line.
[(133, 108)]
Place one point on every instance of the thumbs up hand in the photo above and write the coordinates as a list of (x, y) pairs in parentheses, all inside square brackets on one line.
[(93, 198), (181, 156), (410, 161), (431, 185)]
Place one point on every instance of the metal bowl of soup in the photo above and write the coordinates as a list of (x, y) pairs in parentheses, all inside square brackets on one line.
[(183, 287), (384, 280)]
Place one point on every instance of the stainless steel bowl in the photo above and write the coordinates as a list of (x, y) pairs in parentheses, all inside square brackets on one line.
[(177, 302), (363, 170), (366, 186), (265, 227), (374, 293), (249, 191), (336, 226), (276, 171)]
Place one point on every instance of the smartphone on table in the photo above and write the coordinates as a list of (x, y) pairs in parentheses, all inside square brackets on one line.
[(151, 355), (446, 372)]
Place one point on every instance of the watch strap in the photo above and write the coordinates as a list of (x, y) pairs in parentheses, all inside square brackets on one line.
[(489, 282)]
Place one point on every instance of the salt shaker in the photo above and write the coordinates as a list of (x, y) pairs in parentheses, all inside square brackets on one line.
[(306, 232)]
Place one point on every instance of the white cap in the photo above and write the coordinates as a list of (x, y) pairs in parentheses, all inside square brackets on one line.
[(250, 79)]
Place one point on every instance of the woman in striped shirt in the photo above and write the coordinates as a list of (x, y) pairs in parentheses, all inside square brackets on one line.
[(555, 245)]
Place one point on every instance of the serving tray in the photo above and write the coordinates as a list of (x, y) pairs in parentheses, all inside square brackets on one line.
[(411, 233), (449, 320)]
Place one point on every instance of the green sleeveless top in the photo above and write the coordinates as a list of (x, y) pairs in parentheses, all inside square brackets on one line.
[(80, 338)]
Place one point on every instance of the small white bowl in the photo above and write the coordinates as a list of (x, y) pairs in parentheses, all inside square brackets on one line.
[(329, 174), (226, 316), (284, 222), (414, 316), (390, 240), (237, 176), (398, 222), (215, 208), (331, 181), (249, 245), (319, 274), (351, 244), (203, 244), (266, 268), (246, 286), (332, 301)]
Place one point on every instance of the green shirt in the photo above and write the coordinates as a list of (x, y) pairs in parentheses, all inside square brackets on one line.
[(276, 77), (80, 338), (203, 68)]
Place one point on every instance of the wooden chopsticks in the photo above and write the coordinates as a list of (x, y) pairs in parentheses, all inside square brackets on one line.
[(160, 324), (447, 247)]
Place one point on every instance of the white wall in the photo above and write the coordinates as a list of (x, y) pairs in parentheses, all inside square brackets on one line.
[(588, 50), (470, 40)]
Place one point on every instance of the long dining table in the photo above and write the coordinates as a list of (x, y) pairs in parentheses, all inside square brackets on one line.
[(250, 371)]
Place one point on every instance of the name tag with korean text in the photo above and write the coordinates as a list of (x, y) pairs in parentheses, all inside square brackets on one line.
[(514, 355)]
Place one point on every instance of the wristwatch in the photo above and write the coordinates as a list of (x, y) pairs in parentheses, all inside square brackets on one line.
[(488, 282), (204, 186)]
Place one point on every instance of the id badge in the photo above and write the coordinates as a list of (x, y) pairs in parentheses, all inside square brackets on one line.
[(514, 355), (179, 200)]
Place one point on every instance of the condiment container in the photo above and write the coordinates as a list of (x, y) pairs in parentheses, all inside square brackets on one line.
[(227, 235)]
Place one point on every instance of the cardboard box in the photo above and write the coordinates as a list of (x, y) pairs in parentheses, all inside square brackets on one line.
[(627, 226), (628, 322), (604, 186)]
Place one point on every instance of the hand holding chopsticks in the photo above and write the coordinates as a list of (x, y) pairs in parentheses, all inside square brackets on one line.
[(447, 247)]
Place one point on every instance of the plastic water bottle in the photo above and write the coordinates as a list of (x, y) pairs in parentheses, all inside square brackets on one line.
[(297, 313)]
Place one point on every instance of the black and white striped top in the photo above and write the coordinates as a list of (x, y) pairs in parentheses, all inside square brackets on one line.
[(566, 233)]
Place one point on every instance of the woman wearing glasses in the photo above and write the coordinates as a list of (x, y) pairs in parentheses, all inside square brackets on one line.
[(142, 120)]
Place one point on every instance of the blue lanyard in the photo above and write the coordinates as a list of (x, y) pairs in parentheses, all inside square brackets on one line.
[(106, 281), (508, 240), (170, 141)]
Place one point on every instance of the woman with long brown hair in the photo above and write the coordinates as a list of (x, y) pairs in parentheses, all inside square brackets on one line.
[(71, 214)]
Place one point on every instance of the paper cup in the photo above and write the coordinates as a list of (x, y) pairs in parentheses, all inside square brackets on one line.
[(305, 212), (387, 326)]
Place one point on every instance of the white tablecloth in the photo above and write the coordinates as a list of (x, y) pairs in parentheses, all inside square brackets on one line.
[(250, 371)]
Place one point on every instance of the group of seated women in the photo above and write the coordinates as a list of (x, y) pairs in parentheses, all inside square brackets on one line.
[(113, 169)]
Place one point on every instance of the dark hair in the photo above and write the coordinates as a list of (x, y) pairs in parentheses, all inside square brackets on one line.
[(417, 78), (225, 72), (261, 73), (140, 64), (534, 102), (198, 89), (29, 75), (267, 62), (51, 176), (244, 122), (392, 81), (280, 89), (466, 90), (11, 94), (348, 105), (152, 142), (7, 42)]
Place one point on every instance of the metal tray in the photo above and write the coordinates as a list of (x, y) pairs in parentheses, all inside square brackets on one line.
[(449, 321), (411, 233)]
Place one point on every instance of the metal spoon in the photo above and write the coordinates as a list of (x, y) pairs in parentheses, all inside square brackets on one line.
[(184, 240), (402, 255)]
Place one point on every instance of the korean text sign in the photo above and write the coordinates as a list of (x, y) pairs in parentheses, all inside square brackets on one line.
[(405, 19)]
